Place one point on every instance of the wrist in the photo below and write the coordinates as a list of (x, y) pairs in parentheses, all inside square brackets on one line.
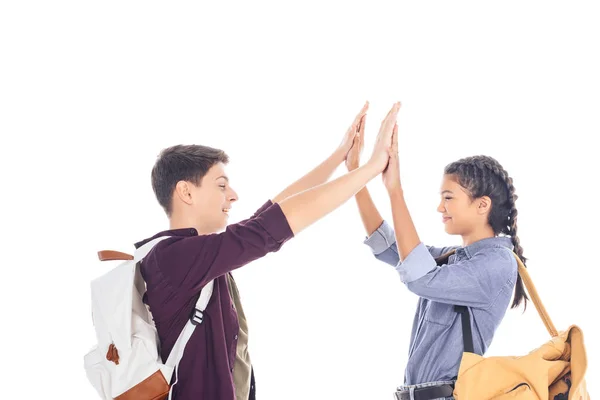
[(338, 156), (372, 166), (352, 167), (395, 190)]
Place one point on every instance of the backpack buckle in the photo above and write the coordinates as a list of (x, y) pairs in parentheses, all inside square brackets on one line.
[(197, 316)]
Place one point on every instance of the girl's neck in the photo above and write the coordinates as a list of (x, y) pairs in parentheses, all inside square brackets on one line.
[(477, 235)]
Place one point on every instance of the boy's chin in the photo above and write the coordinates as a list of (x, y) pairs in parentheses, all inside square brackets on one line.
[(223, 223)]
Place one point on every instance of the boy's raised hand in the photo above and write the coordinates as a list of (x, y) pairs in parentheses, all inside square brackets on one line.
[(353, 156), (352, 132)]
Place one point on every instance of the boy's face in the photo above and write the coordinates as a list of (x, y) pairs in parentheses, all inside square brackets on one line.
[(212, 200)]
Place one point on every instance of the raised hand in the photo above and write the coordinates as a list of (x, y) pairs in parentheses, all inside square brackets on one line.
[(352, 132), (353, 156), (391, 175), (383, 143)]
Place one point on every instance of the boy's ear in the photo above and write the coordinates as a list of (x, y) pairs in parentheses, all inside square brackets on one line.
[(183, 192)]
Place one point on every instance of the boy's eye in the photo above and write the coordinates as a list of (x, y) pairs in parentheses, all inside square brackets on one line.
[(447, 198), (223, 186)]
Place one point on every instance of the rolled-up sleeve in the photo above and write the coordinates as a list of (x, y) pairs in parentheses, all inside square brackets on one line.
[(382, 243), (194, 261), (262, 208), (416, 264)]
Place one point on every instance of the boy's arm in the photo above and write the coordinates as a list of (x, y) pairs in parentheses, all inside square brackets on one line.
[(317, 176), (369, 214), (189, 263), (194, 261), (323, 171), (309, 206)]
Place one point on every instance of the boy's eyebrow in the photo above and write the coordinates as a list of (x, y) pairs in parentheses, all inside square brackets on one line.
[(447, 191), (224, 177)]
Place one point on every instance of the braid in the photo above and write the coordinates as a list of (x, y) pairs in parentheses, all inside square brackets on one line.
[(484, 176), (520, 294)]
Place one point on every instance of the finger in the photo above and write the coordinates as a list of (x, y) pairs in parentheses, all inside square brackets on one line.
[(395, 138), (391, 110), (361, 127), (391, 118), (362, 112), (391, 115)]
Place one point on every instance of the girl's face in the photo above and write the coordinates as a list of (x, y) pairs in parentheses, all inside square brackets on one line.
[(461, 215)]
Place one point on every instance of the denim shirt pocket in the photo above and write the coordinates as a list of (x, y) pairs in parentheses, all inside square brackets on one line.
[(440, 313)]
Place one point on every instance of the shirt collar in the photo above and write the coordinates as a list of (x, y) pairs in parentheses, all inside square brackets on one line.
[(183, 232), (497, 241)]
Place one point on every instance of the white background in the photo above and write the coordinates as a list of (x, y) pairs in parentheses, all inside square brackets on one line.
[(91, 92)]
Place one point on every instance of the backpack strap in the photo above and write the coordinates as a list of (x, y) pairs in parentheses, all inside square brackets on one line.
[(465, 316), (196, 319), (143, 250), (111, 255), (535, 298)]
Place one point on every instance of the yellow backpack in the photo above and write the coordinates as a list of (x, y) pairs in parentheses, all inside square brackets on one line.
[(554, 371)]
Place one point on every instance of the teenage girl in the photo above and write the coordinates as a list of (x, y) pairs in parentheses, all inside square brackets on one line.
[(477, 203)]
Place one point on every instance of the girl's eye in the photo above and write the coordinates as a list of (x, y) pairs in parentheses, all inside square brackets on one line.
[(448, 198), (223, 186)]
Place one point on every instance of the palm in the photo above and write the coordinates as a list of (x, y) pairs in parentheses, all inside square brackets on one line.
[(353, 156), (391, 174), (383, 142), (351, 144)]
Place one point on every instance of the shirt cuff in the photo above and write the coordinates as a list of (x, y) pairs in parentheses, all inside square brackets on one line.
[(382, 239), (262, 208), (416, 265), (273, 220)]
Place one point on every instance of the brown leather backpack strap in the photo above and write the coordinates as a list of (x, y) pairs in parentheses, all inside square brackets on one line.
[(443, 259), (111, 255), (537, 302)]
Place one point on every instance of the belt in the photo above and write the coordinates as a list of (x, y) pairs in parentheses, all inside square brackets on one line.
[(427, 393)]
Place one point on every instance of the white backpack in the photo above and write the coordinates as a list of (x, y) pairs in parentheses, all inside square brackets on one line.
[(126, 363)]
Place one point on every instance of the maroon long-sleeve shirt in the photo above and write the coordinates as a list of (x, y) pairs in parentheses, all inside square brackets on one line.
[(176, 270)]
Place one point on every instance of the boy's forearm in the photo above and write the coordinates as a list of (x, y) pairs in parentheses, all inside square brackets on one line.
[(317, 176), (305, 208), (406, 233), (369, 214)]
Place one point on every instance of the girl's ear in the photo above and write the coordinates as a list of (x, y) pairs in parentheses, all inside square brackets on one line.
[(484, 204)]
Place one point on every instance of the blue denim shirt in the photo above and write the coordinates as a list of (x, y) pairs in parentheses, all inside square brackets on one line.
[(480, 276)]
